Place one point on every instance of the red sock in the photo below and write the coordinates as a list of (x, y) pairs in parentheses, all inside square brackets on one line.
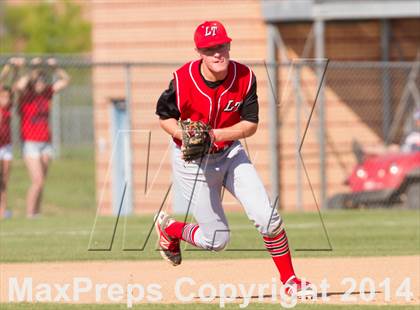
[(174, 230), (183, 231), (279, 250)]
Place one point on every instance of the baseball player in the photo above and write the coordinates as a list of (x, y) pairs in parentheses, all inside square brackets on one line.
[(210, 104)]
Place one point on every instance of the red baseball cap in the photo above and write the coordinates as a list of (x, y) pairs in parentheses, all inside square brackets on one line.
[(210, 33)]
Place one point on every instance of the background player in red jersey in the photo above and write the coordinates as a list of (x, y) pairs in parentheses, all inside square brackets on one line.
[(222, 94), (34, 107), (8, 77), (6, 155)]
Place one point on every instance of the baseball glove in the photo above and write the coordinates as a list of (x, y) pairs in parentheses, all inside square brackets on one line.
[(196, 139)]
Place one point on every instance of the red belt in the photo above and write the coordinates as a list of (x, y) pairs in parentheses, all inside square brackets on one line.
[(215, 150)]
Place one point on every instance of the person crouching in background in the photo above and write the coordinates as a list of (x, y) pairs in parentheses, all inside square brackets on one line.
[(34, 109)]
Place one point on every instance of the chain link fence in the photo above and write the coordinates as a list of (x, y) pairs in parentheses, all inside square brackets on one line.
[(369, 138), (383, 122), (362, 146), (70, 111)]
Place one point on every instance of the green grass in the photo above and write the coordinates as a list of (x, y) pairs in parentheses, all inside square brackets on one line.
[(69, 189), (200, 307), (352, 233), (63, 232)]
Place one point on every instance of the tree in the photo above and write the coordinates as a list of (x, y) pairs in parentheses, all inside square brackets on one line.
[(45, 28)]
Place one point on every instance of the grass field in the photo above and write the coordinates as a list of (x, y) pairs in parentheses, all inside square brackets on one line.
[(64, 230), (70, 186), (352, 233)]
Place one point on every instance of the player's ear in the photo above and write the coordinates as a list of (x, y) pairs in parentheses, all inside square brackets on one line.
[(199, 53)]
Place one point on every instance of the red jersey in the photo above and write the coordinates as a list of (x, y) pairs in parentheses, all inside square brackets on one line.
[(34, 112), (218, 107), (5, 133)]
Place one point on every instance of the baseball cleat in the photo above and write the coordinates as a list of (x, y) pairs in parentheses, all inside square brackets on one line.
[(298, 288), (170, 248)]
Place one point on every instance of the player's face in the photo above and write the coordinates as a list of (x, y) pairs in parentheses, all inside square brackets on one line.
[(40, 86), (216, 58)]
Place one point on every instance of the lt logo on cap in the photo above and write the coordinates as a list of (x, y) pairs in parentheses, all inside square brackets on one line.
[(210, 31)]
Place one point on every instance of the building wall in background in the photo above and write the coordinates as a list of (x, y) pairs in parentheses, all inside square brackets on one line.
[(353, 97), (162, 31)]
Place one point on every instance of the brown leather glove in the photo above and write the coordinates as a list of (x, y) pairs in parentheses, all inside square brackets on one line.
[(196, 139)]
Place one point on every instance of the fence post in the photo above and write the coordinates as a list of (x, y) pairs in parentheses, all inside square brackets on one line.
[(56, 125), (297, 89), (128, 149), (386, 81), (272, 110), (319, 30)]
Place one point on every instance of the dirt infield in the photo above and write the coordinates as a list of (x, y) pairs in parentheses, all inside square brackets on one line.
[(375, 280)]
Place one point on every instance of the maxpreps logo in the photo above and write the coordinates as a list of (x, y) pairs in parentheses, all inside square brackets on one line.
[(79, 288)]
